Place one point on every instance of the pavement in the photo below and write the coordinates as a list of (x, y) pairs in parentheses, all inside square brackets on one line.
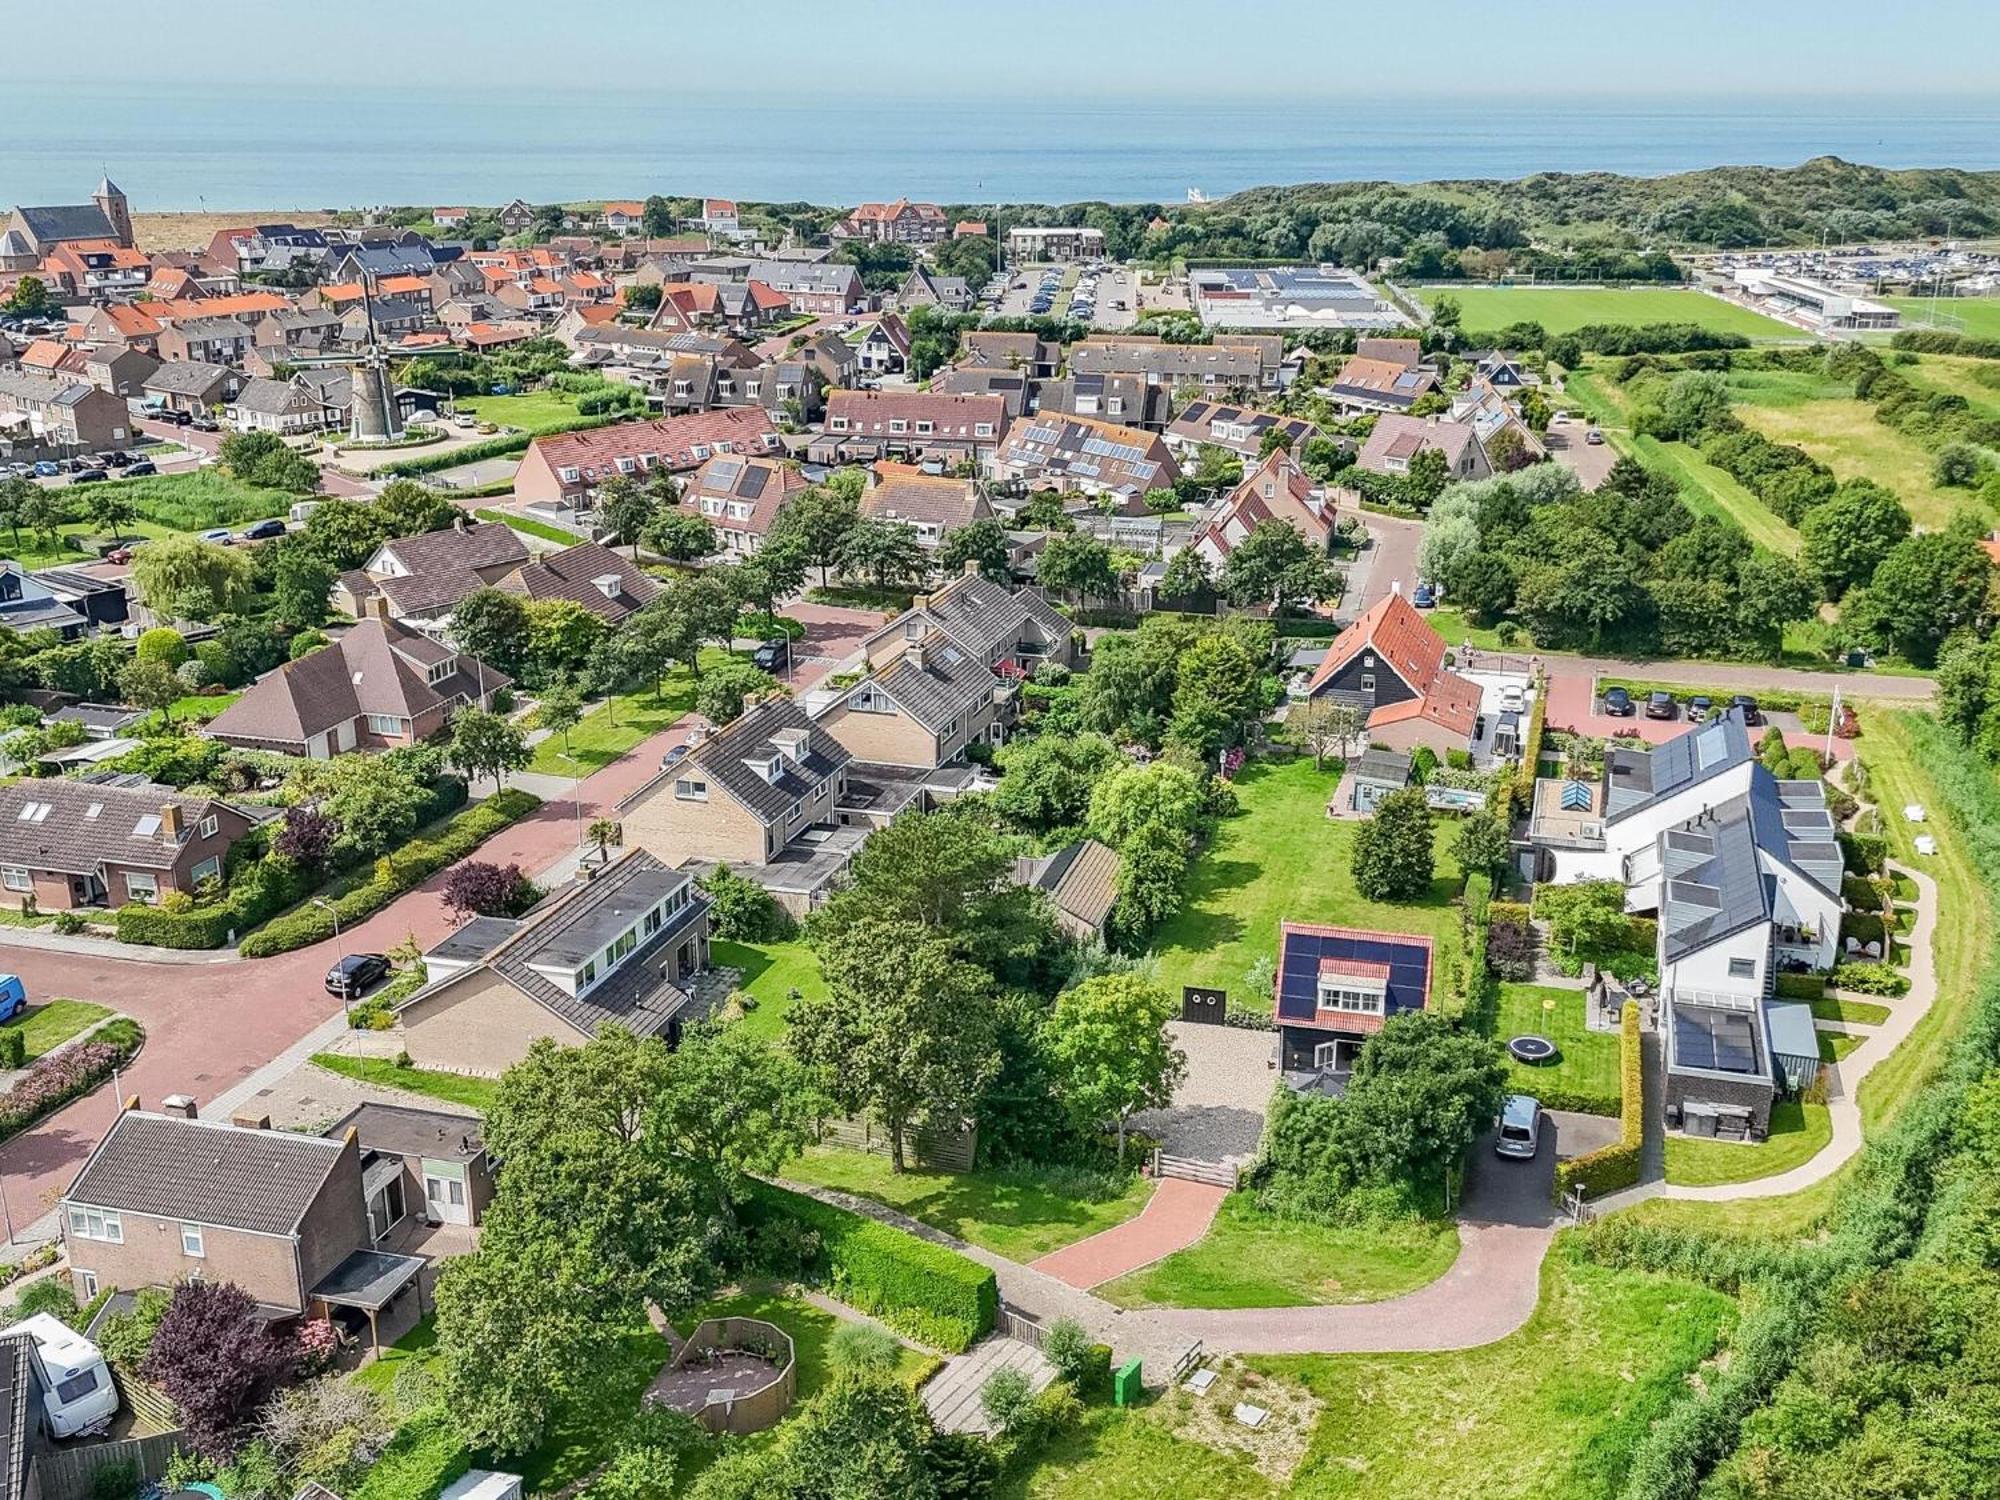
[(1209, 1119), (1389, 562), (953, 1396), (1572, 705), (1175, 1217)]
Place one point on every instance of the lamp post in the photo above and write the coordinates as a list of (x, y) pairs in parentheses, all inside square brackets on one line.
[(346, 1007)]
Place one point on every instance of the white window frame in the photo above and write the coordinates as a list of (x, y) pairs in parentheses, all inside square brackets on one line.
[(385, 724), (689, 789), (17, 878), (208, 827), (210, 867), (1742, 968), (89, 1280), (140, 886), (192, 1242), (102, 1224)]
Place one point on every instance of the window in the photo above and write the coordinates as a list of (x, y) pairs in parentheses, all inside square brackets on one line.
[(78, 1385), (1360, 1002), (923, 426), (384, 724), (1367, 682), (208, 869), (690, 790), (88, 1281), (838, 424), (569, 475), (140, 886), (653, 920), (897, 424), (208, 826), (982, 429), (16, 878), (866, 699), (623, 944), (1742, 968), (97, 1224), (588, 976), (191, 1243)]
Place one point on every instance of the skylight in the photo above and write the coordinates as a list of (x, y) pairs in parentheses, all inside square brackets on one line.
[(147, 826)]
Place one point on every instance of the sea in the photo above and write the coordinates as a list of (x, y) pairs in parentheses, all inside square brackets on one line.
[(208, 150)]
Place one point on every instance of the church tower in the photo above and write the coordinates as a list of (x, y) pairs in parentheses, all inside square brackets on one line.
[(110, 200)]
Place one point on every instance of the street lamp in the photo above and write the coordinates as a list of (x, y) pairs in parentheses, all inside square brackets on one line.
[(333, 911)]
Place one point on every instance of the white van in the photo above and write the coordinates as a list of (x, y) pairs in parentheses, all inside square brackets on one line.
[(77, 1393)]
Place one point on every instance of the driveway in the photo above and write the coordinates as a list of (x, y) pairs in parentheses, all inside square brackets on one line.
[(1218, 1111), (1571, 706), (1389, 563), (1591, 461)]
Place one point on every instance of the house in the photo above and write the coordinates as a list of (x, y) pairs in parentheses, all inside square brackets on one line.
[(759, 795), (1244, 367), (931, 505), (1334, 988), (380, 685), (450, 218), (1380, 385), (884, 346), (1408, 353), (31, 234), (517, 217), (311, 401), (1503, 371), (52, 357), (1396, 440), (566, 468), (29, 603), (206, 340), (741, 498), (1276, 490), (418, 1163), (191, 386), (100, 721), (591, 574), (719, 217), (97, 269), (1035, 244), (1373, 775), (1011, 386), (924, 287), (1088, 456), (986, 349), (129, 324), (623, 945), (422, 578), (58, 416), (704, 382), (833, 357), (107, 840), (866, 425), (625, 217), (1390, 663), (818, 287), (168, 1196), (1128, 400), (1242, 430), (1081, 882), (100, 601), (120, 370), (1487, 412), (942, 675), (969, 229), (898, 223)]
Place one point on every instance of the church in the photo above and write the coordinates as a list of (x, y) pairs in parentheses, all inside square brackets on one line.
[(32, 233)]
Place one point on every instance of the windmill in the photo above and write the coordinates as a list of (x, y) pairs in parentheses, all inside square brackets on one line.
[(374, 415)]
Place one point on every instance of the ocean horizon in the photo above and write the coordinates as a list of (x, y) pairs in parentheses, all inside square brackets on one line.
[(314, 147)]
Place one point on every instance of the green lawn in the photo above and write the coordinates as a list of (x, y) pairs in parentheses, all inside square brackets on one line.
[(771, 971), (1551, 1412), (1130, 1455), (453, 1088), (529, 526), (1957, 376), (1980, 316), (812, 1331), (1250, 1258), (1588, 1064), (55, 1022), (1834, 1045), (1798, 1132), (200, 708), (418, 1347), (1018, 1214), (1283, 858), (1458, 631), (1565, 309), (536, 411), (1854, 1012), (625, 722), (167, 504)]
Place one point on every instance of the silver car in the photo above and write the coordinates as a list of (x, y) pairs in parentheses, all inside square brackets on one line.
[(1520, 1128)]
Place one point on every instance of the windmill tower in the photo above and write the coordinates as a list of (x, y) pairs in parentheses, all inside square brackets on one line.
[(375, 417)]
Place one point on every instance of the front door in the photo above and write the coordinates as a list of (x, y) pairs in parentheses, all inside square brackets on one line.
[(444, 1199)]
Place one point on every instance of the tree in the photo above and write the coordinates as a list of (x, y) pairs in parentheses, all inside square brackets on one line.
[(905, 1030), (983, 541), (111, 508), (885, 552), (1958, 466), (479, 888), (30, 298), (1046, 780), (150, 685), (1393, 851), (1131, 797), (1275, 565), (1187, 575), (731, 1107), (860, 1438), (1075, 563), (375, 799), (493, 627), (683, 536), (174, 569), (407, 508), (162, 644), (1152, 871), (559, 709), (1426, 476), (1422, 1091), (45, 513), (1771, 593), (1326, 726), (300, 584), (741, 910), (485, 744), (1111, 1051), (730, 688), (216, 1360), (561, 636), (264, 458), (308, 837), (1693, 401), (1482, 584), (1587, 915), (688, 613), (773, 572), (816, 521), (1844, 539), (16, 494), (627, 512), (1481, 844), (658, 217), (342, 533), (1218, 690), (1929, 586)]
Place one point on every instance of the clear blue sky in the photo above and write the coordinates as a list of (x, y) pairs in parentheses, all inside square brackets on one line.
[(944, 47)]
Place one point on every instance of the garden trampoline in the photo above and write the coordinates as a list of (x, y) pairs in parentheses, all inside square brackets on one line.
[(1532, 1050)]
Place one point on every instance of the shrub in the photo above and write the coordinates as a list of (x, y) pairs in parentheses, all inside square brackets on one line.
[(1863, 927), (863, 1348), (483, 889), (127, 1337), (216, 1360), (1870, 979), (13, 1048), (1068, 1347), (1005, 1398), (49, 1295), (743, 910), (1616, 1166), (932, 1294), (114, 1481), (1863, 853), (422, 1458), (68, 923), (1801, 986), (62, 1076)]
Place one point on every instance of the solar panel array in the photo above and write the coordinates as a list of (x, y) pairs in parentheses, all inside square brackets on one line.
[(1720, 1041), (1122, 452), (1298, 984)]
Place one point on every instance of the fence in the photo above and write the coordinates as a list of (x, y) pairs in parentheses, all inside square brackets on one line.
[(66, 1473), (1215, 1173), (944, 1150), (1012, 1323), (742, 1411)]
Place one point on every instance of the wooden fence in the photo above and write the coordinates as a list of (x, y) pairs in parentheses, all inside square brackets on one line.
[(66, 1473), (943, 1150)]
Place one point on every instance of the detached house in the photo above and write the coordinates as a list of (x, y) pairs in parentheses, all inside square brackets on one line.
[(109, 839), (191, 386), (924, 287), (1334, 988), (1276, 490), (898, 223), (1397, 440), (1390, 664), (379, 686), (1366, 384), (590, 574), (422, 578), (621, 946), (931, 505)]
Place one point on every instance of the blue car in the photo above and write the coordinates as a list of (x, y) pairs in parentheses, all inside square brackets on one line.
[(1423, 596), (13, 997)]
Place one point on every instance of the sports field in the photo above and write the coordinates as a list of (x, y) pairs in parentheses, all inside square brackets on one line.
[(1562, 309), (1980, 316)]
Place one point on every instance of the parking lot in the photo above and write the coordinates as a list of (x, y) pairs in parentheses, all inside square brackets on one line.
[(1097, 293), (1572, 706)]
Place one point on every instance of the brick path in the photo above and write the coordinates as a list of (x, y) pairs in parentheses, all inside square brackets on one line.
[(1178, 1214)]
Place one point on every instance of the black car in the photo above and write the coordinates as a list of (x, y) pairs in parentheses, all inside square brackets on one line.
[(347, 979), (263, 531), (771, 656), (140, 468), (117, 458), (88, 476), (1660, 706), (177, 418), (1618, 703), (1746, 705)]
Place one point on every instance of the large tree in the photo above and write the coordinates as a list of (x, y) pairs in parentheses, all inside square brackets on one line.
[(1326, 726), (176, 571), (301, 583), (216, 1359), (1394, 850), (731, 1105), (816, 521), (1845, 538), (1131, 796), (1110, 1050), (1421, 1093), (485, 744), (1219, 691), (1275, 565), (884, 552), (1076, 563), (983, 541), (1928, 586), (1046, 780), (682, 536), (493, 626)]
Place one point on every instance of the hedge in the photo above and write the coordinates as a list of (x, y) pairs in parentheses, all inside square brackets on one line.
[(503, 446), (1869, 979), (402, 871), (1863, 853), (1610, 1168), (1860, 894), (925, 1291), (1531, 753), (68, 1074), (1863, 927), (1801, 986)]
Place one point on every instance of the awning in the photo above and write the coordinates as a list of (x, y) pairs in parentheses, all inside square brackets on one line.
[(379, 1174), (368, 1279)]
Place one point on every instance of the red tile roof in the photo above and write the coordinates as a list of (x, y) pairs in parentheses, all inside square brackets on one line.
[(869, 413), (672, 439), (1409, 647)]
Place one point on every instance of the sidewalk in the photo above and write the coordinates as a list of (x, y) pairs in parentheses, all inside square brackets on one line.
[(1175, 1217), (97, 947)]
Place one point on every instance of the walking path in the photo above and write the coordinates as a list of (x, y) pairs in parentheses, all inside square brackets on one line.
[(1178, 1214), (952, 1396)]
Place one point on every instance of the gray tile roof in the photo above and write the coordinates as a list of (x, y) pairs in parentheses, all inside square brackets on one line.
[(1792, 823), (573, 573), (725, 758), (1080, 879), (1715, 886), (442, 567), (948, 682), (187, 377), (206, 1173), (75, 826), (67, 221)]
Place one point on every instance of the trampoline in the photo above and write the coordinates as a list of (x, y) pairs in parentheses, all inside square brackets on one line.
[(1532, 1050)]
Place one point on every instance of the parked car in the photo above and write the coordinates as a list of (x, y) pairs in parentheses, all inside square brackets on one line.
[(1594, 437), (771, 656), (353, 974), (13, 997), (46, 469), (1520, 1128), (1660, 706), (1423, 596), (205, 423), (141, 469), (1746, 705), (177, 418), (674, 757), (118, 458), (221, 536), (464, 419), (263, 531), (88, 476), (1618, 703), (1699, 708)]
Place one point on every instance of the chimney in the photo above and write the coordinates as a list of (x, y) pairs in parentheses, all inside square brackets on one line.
[(972, 567), (246, 1120), (180, 1106), (131, 1102), (378, 605), (170, 822), (461, 522), (915, 652)]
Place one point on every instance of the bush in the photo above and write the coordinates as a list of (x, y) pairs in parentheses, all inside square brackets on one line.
[(49, 1295), (1068, 1347), (13, 1048), (743, 911), (1005, 1398), (409, 867), (1864, 927), (1870, 979), (114, 1481), (1863, 853), (1609, 1168), (62, 1076), (932, 1294), (863, 1349)]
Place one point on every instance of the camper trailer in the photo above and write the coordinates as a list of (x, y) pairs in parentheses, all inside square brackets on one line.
[(76, 1389)]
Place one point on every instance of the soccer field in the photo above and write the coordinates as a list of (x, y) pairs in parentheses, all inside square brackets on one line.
[(1562, 309), (1979, 316)]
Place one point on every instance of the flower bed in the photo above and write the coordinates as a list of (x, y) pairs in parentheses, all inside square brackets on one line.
[(69, 1074)]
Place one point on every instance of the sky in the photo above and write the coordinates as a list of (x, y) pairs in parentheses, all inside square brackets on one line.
[(984, 48)]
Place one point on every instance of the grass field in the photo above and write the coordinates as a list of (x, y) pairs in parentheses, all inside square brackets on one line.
[(1958, 377), (626, 721), (1252, 1259), (452, 1088), (1798, 1133), (1979, 315), (1589, 1059), (1565, 309), (1853, 1012), (1282, 857), (771, 971), (52, 1024), (536, 411), (167, 504), (1131, 1455), (1018, 1214), (1551, 1412)]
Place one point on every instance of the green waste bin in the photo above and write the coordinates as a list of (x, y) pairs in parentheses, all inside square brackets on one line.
[(1126, 1386)]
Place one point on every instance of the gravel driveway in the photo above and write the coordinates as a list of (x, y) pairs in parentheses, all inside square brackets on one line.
[(1218, 1112)]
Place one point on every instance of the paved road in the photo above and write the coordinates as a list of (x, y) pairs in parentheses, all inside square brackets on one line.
[(1389, 564)]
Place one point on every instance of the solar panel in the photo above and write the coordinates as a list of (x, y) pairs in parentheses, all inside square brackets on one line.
[(1721, 1041), (1710, 746), (1042, 435), (1124, 452)]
